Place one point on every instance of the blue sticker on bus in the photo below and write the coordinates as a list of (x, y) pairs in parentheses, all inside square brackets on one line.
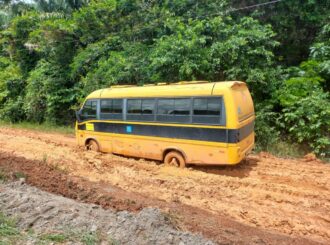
[(129, 129), (239, 111)]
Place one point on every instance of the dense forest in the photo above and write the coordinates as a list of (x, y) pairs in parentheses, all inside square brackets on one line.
[(54, 52)]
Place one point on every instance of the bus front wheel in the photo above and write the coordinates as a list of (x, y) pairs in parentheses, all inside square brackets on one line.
[(92, 145), (174, 158)]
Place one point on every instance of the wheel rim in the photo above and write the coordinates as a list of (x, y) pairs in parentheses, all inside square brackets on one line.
[(174, 162), (93, 146)]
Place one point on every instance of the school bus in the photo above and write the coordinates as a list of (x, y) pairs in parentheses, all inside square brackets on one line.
[(182, 123)]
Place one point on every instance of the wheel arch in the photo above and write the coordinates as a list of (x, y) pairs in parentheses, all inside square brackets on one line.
[(169, 149), (87, 140)]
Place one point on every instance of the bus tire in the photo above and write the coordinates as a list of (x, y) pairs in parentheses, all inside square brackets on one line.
[(174, 158), (92, 145)]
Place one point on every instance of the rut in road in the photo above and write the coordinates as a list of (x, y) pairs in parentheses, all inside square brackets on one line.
[(288, 196)]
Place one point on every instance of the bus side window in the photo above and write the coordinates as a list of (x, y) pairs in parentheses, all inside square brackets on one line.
[(140, 109), (174, 110), (89, 110), (111, 109), (207, 110)]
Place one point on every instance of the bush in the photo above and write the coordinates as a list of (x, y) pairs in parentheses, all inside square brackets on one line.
[(307, 120), (12, 87), (305, 114), (12, 110), (267, 133), (48, 97)]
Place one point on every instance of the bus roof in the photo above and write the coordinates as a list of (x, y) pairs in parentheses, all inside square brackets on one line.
[(191, 88)]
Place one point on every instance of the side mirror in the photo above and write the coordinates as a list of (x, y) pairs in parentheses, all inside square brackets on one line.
[(78, 113)]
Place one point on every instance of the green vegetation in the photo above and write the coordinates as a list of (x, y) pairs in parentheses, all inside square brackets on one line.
[(19, 175), (3, 176), (8, 231), (44, 127), (52, 54), (73, 235), (57, 238), (10, 234), (90, 238)]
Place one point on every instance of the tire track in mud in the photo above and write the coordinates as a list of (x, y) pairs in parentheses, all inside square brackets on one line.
[(287, 196), (218, 228)]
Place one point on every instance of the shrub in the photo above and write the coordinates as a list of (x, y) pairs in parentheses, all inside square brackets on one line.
[(307, 120), (12, 110), (267, 133)]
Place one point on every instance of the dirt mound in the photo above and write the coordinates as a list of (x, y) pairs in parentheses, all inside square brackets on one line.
[(310, 157), (46, 212), (268, 198)]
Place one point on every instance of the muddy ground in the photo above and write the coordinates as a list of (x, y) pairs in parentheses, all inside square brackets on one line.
[(264, 200), (45, 212)]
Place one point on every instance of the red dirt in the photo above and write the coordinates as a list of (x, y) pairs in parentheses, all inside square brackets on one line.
[(269, 199)]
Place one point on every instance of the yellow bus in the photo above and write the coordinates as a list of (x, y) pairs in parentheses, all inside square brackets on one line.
[(182, 123)]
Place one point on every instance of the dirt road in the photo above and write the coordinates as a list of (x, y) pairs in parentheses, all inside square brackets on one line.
[(265, 200)]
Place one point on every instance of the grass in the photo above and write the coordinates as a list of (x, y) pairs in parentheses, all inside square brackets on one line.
[(76, 236), (113, 241), (56, 237), (173, 218), (44, 158), (90, 238), (19, 175), (58, 168), (3, 176), (9, 233), (288, 150), (283, 149), (7, 226), (44, 127)]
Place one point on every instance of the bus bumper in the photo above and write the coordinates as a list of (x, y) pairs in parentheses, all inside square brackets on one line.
[(238, 152)]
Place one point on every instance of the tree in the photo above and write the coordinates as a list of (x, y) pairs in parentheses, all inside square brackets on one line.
[(295, 22)]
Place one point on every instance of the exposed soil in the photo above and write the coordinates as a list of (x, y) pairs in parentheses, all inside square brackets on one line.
[(264, 200), (44, 212)]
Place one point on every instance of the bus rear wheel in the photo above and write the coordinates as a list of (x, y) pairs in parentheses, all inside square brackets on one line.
[(92, 146), (174, 158)]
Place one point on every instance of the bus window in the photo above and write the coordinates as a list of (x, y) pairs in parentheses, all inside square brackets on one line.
[(89, 110), (165, 106), (111, 109), (207, 110), (117, 106), (140, 109), (174, 110), (148, 106), (106, 106), (182, 106), (134, 106)]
